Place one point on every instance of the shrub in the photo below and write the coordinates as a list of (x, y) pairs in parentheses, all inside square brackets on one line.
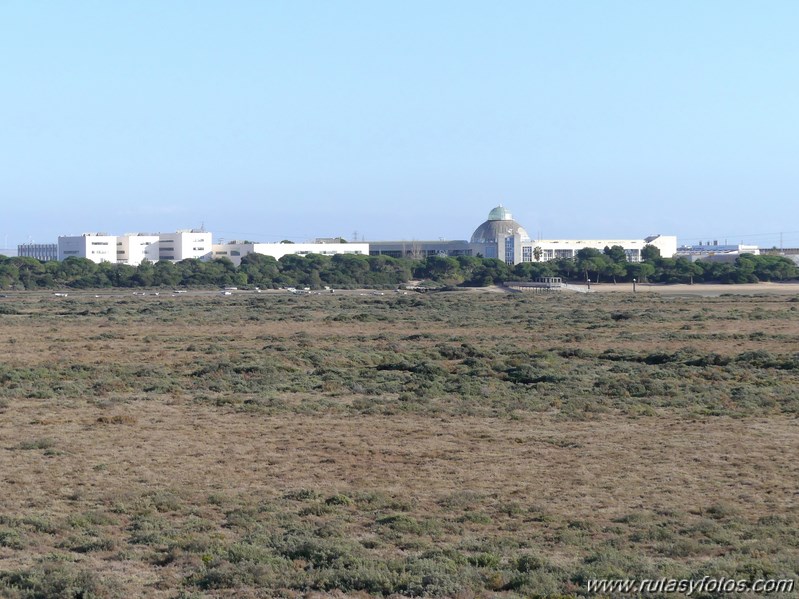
[(10, 538), (43, 443), (54, 579)]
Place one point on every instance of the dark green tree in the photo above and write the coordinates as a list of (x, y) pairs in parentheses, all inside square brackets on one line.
[(592, 263), (640, 271), (443, 269), (166, 274), (650, 253), (490, 272), (261, 271), (774, 268), (687, 270), (530, 271), (145, 274)]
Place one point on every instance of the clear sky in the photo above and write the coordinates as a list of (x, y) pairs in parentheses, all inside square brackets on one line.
[(409, 119)]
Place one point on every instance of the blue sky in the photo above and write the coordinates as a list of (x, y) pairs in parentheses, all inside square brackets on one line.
[(269, 120)]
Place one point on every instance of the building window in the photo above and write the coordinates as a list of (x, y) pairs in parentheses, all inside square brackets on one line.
[(527, 254), (509, 247)]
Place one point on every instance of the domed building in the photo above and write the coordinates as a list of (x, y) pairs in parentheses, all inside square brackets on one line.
[(500, 236), (503, 238), (500, 224)]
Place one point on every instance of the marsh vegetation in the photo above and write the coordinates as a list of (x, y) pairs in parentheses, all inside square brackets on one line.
[(451, 444)]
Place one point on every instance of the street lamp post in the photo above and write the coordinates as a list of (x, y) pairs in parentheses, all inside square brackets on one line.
[(633, 285), (589, 284)]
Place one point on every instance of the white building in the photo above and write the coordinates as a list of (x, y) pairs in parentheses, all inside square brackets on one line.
[(135, 248), (503, 238), (97, 247), (713, 252), (236, 250), (552, 248), (185, 244)]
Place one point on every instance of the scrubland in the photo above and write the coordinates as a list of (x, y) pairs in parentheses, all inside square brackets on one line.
[(449, 444)]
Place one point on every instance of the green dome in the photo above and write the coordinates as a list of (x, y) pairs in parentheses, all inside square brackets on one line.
[(500, 213)]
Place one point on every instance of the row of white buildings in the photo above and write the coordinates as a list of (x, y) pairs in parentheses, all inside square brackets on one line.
[(135, 248), (498, 237)]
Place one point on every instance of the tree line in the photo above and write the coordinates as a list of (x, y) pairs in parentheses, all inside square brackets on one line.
[(354, 271)]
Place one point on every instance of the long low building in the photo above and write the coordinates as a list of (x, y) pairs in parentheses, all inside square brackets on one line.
[(553, 248), (236, 250), (715, 252), (418, 249), (41, 251), (503, 238)]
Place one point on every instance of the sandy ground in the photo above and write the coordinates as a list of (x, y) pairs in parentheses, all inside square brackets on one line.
[(701, 289), (697, 461)]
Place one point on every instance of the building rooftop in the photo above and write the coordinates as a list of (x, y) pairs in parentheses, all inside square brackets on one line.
[(500, 223), (500, 213)]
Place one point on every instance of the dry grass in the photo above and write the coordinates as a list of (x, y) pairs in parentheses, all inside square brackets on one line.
[(194, 487)]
